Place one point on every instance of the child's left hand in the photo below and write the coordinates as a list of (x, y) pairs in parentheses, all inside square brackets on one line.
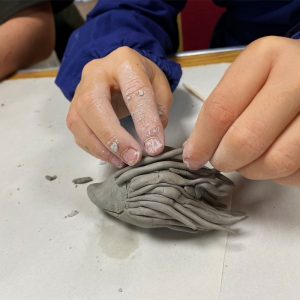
[(251, 121)]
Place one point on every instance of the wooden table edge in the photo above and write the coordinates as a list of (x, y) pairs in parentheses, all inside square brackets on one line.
[(185, 60)]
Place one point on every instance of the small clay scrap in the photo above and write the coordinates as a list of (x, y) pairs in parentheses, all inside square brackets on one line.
[(49, 177), (73, 213), (82, 180), (162, 192)]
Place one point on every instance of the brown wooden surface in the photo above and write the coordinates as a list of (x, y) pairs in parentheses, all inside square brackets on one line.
[(206, 59), (30, 74), (188, 61)]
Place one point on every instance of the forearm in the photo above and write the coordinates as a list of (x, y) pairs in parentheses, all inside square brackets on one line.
[(26, 38)]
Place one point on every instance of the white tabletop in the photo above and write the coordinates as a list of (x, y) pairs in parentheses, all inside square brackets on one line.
[(46, 253)]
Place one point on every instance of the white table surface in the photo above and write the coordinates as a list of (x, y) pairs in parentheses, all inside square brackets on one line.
[(46, 255)]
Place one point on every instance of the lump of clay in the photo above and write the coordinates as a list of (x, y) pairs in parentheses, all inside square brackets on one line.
[(161, 192)]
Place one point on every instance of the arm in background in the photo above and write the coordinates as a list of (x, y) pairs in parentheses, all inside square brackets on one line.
[(26, 38)]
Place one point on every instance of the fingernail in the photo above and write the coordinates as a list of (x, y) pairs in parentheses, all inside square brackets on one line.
[(117, 162), (194, 164), (191, 163), (153, 146), (131, 156)]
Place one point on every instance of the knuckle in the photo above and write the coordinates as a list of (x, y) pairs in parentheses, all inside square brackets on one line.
[(134, 86), (107, 137), (265, 43), (88, 102), (270, 46), (90, 67), (282, 163), (82, 103), (125, 50), (218, 112), (246, 140), (125, 58), (146, 121), (71, 121)]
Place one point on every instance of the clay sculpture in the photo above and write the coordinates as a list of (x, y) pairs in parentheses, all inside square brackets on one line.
[(161, 192)]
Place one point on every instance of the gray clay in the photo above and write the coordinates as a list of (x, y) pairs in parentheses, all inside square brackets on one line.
[(82, 180), (161, 192), (72, 214), (49, 177)]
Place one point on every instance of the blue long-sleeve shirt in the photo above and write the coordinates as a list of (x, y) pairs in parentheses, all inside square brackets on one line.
[(149, 27)]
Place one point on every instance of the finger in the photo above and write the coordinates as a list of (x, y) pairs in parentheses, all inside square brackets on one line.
[(239, 85), (139, 97), (115, 161), (93, 105), (163, 96), (88, 141), (119, 105), (281, 160), (292, 180), (270, 112)]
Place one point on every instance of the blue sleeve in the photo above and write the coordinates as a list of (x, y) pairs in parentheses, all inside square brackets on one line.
[(147, 26), (294, 33), (296, 36), (247, 20)]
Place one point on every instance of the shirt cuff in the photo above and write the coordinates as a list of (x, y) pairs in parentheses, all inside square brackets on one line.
[(69, 77)]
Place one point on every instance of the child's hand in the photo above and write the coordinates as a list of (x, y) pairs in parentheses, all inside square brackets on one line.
[(251, 121), (98, 103)]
